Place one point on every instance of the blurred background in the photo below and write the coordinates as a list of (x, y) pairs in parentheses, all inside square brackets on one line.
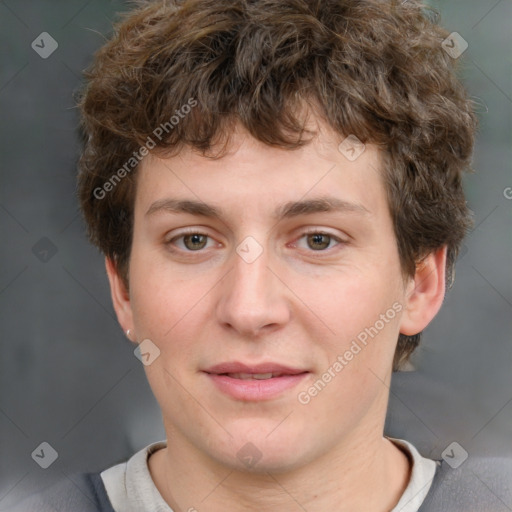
[(69, 377)]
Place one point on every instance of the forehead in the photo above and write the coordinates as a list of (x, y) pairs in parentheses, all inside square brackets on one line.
[(253, 176)]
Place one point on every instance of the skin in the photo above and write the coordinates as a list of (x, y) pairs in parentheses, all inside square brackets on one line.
[(300, 303)]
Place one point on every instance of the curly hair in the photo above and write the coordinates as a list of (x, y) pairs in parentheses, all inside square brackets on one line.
[(374, 68)]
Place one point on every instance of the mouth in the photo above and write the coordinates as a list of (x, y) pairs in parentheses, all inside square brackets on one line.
[(254, 382), (242, 370), (253, 376)]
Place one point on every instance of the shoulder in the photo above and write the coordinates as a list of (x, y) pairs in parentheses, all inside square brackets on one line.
[(82, 492), (479, 484)]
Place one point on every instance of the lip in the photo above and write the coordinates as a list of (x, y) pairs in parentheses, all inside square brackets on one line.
[(237, 367), (255, 390)]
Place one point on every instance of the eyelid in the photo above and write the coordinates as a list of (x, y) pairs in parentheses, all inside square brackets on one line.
[(320, 231), (196, 230)]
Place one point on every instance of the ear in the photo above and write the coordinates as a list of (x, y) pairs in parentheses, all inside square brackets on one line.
[(425, 293), (120, 296)]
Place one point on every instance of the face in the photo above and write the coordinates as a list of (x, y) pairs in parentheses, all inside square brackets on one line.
[(279, 265)]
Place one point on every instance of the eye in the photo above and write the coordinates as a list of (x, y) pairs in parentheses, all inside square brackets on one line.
[(193, 241), (318, 241)]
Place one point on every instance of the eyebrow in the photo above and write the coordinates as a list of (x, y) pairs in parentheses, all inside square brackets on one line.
[(286, 211)]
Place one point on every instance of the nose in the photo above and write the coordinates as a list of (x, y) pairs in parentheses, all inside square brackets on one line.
[(252, 296)]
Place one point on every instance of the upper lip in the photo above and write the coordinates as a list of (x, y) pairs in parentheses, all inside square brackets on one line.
[(236, 367)]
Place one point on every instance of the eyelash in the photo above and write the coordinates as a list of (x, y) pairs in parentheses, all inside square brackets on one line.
[(322, 233), (187, 233), (304, 234)]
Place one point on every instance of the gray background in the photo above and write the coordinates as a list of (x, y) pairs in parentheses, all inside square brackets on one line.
[(67, 374)]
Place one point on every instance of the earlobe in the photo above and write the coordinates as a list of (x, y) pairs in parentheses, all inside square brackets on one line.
[(120, 296), (425, 293)]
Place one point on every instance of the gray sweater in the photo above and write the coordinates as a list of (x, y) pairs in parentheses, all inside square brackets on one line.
[(478, 485)]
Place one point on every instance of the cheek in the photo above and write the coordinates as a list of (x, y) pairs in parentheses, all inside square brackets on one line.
[(350, 303), (162, 301), (363, 316), (357, 366)]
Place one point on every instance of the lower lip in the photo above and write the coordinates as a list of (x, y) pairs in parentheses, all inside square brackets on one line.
[(254, 389)]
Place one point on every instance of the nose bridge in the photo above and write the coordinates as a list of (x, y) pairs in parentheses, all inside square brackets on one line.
[(251, 297)]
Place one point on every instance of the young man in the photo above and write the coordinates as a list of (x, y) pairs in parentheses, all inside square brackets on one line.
[(276, 185)]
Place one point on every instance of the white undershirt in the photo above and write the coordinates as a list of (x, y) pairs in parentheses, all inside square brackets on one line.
[(130, 487)]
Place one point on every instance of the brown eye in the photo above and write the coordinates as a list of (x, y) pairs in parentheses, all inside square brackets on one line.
[(318, 240), (315, 241), (188, 242), (195, 241)]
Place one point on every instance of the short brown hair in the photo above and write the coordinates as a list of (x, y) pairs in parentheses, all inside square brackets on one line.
[(374, 68)]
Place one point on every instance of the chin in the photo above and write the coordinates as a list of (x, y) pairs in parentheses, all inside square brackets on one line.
[(261, 453)]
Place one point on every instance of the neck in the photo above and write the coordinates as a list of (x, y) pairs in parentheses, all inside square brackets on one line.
[(368, 473)]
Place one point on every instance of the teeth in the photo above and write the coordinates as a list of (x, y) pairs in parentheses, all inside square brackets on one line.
[(252, 376)]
